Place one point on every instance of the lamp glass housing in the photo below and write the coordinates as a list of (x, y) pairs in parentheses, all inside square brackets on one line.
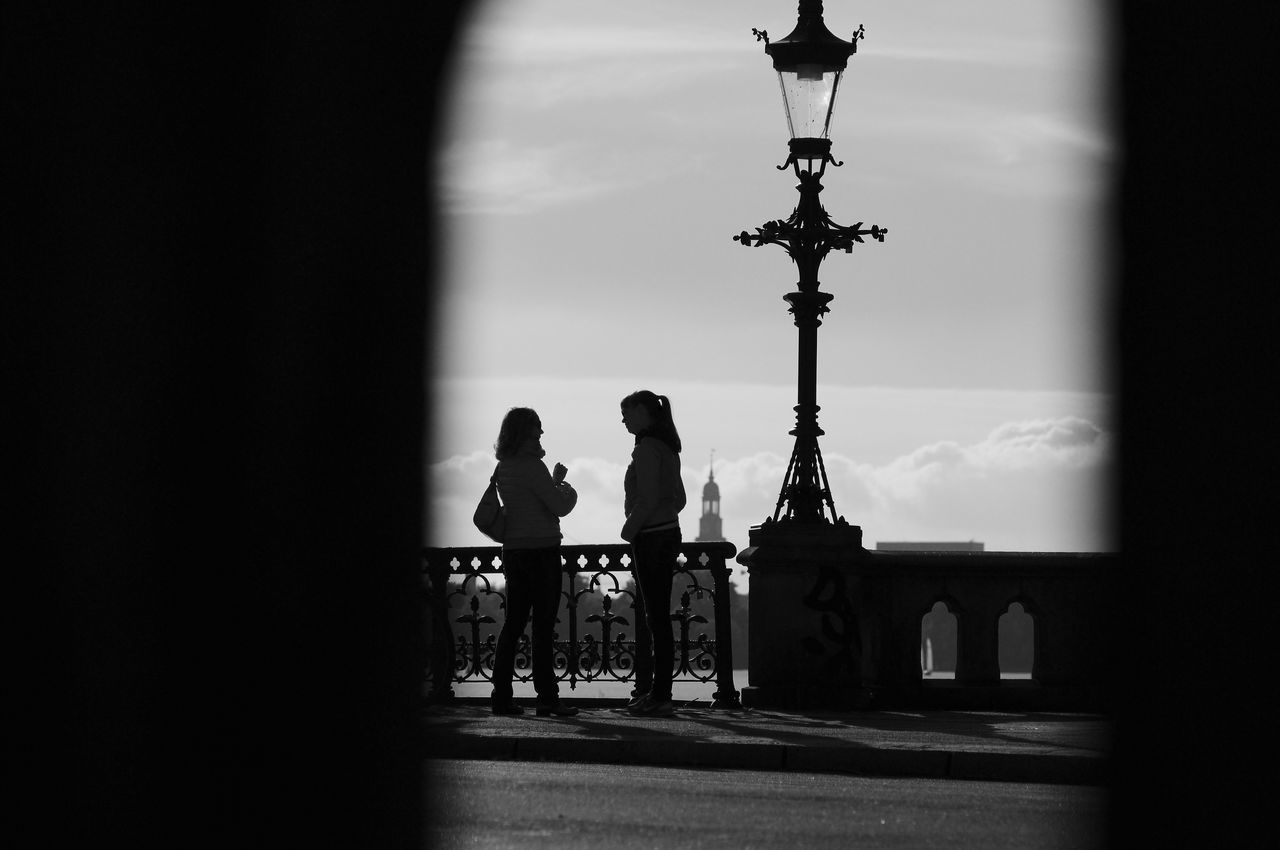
[(809, 97)]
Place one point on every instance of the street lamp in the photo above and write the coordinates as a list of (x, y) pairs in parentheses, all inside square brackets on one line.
[(810, 62)]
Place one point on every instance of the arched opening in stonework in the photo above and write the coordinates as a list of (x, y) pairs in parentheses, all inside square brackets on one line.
[(1017, 642), (938, 632)]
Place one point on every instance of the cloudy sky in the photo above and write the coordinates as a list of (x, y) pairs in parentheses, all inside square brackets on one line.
[(602, 155)]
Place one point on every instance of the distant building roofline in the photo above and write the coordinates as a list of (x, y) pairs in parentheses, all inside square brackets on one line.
[(904, 546)]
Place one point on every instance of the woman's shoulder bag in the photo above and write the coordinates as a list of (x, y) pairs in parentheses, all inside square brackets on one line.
[(490, 516)]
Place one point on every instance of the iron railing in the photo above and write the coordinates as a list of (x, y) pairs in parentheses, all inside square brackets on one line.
[(462, 629)]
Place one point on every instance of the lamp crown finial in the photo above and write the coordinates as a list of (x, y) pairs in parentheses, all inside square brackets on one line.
[(810, 7)]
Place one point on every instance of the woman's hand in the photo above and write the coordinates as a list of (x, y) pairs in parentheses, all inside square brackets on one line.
[(559, 472)]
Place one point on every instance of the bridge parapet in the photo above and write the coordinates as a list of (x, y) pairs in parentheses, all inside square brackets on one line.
[(831, 626), (846, 631), (597, 638)]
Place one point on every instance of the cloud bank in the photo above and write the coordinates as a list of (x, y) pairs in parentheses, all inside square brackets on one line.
[(1035, 485)]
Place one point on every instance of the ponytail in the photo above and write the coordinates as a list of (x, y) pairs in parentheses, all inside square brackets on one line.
[(659, 409)]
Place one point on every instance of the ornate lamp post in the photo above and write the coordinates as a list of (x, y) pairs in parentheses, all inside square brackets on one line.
[(805, 639), (810, 63)]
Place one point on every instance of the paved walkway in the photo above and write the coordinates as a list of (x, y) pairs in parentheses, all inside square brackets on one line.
[(1015, 747)]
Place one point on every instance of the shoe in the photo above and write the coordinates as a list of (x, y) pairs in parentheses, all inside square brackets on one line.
[(651, 707), (507, 708), (636, 700), (558, 709)]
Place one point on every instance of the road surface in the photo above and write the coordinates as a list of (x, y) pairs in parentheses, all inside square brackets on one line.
[(504, 804)]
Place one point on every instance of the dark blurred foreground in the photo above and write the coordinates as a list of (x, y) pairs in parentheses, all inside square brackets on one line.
[(219, 236)]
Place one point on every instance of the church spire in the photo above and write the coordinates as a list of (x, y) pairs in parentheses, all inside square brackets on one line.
[(710, 528)]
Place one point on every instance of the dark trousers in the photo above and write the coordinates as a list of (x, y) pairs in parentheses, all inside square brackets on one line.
[(534, 580), (653, 565)]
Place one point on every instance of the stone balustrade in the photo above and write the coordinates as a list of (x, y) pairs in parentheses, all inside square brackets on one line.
[(845, 630), (831, 625)]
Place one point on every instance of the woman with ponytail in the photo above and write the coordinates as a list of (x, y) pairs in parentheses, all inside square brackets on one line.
[(654, 497)]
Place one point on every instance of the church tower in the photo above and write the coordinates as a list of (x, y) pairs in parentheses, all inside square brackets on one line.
[(709, 527)]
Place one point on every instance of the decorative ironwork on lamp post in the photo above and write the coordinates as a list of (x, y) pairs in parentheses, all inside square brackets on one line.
[(810, 62)]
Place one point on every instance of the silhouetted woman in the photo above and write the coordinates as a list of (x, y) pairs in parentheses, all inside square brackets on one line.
[(535, 499), (654, 498)]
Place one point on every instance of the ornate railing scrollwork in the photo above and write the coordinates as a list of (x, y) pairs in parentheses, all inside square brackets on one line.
[(596, 635)]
